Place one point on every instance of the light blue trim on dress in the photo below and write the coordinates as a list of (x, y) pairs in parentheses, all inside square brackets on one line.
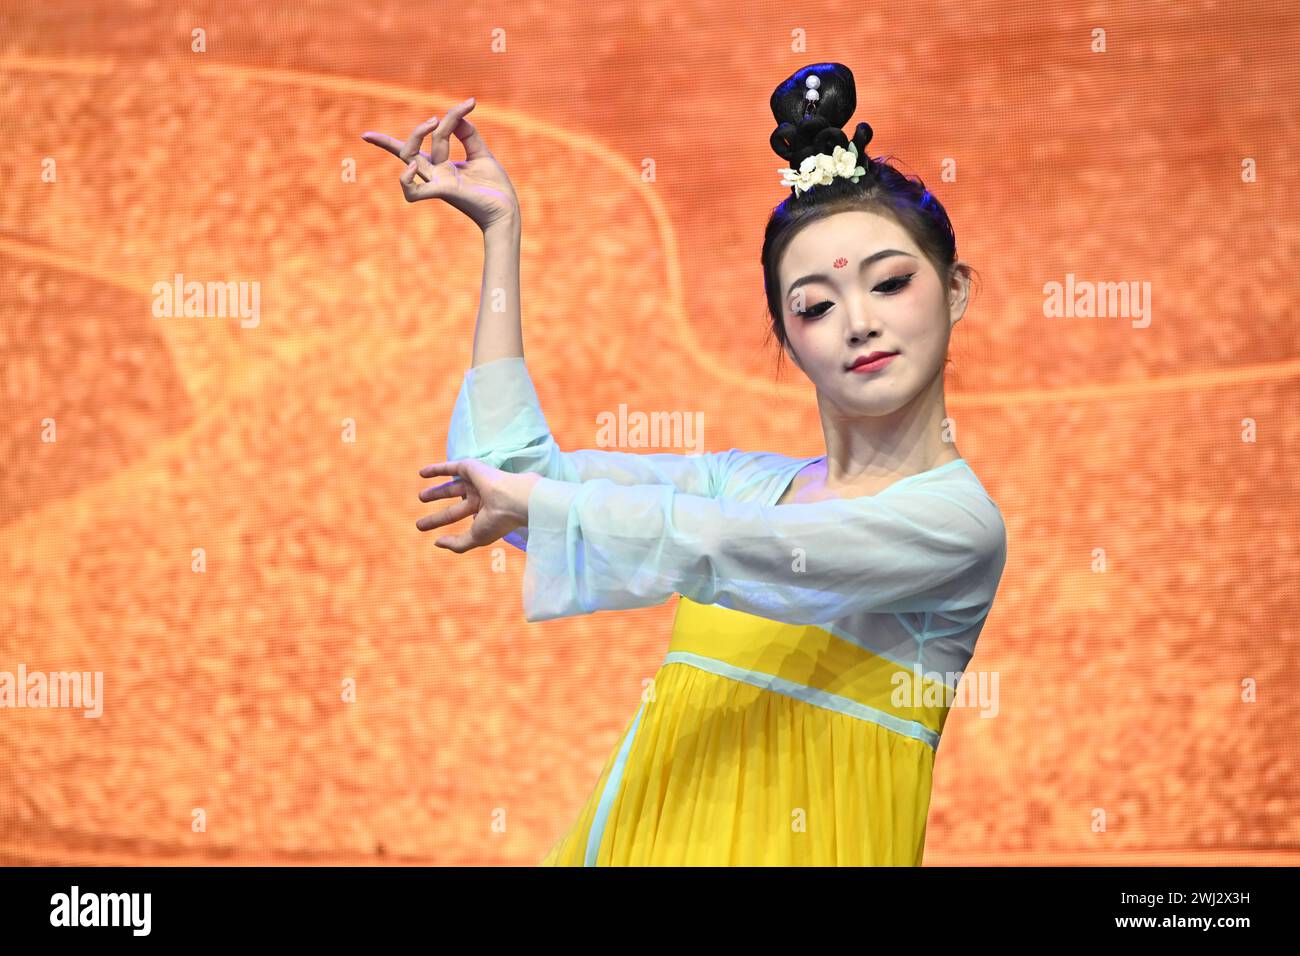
[(607, 795), (810, 695)]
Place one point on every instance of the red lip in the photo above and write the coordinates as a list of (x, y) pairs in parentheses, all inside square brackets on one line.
[(874, 360)]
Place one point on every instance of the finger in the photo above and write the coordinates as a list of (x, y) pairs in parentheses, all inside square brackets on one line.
[(469, 137), (460, 543), (425, 171), (396, 147), (384, 142), (440, 468), (412, 146), (435, 187), (459, 488), (448, 515), (455, 122), (414, 170), (414, 191)]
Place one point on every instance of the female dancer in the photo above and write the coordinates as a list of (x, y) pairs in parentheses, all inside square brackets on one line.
[(829, 604)]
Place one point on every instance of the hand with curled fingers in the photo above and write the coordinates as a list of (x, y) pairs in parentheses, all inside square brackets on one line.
[(478, 185), (497, 499)]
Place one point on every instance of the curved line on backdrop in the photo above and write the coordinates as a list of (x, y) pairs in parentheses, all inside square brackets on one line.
[(1210, 378)]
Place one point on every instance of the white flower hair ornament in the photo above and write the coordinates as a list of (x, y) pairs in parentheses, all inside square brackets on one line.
[(821, 169)]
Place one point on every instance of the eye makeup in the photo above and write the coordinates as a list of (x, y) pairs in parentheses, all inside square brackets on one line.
[(891, 286)]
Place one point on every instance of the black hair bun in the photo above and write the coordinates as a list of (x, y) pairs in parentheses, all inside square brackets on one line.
[(807, 126)]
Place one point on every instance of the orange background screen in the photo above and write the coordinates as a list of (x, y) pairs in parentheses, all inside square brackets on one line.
[(1144, 634)]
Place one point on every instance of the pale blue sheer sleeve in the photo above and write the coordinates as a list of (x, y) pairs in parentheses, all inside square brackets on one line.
[(498, 420), (927, 546)]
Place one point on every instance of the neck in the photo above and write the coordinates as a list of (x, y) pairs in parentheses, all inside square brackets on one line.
[(905, 442)]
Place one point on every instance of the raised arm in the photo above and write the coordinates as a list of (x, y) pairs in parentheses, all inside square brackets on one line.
[(497, 417), (479, 187), (930, 546)]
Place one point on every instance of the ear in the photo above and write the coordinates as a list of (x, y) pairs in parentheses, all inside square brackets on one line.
[(958, 292)]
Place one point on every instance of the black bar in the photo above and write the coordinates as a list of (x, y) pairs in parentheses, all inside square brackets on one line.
[(580, 908)]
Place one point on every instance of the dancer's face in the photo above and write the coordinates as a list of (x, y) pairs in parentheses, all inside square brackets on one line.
[(893, 303)]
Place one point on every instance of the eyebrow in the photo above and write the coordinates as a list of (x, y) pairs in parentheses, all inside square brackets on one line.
[(821, 277)]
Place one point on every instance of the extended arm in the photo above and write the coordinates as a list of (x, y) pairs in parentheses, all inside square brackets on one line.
[(598, 546)]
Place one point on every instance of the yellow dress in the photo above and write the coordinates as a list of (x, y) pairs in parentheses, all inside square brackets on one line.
[(764, 744)]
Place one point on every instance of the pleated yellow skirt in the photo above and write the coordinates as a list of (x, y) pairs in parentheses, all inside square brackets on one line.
[(765, 744)]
